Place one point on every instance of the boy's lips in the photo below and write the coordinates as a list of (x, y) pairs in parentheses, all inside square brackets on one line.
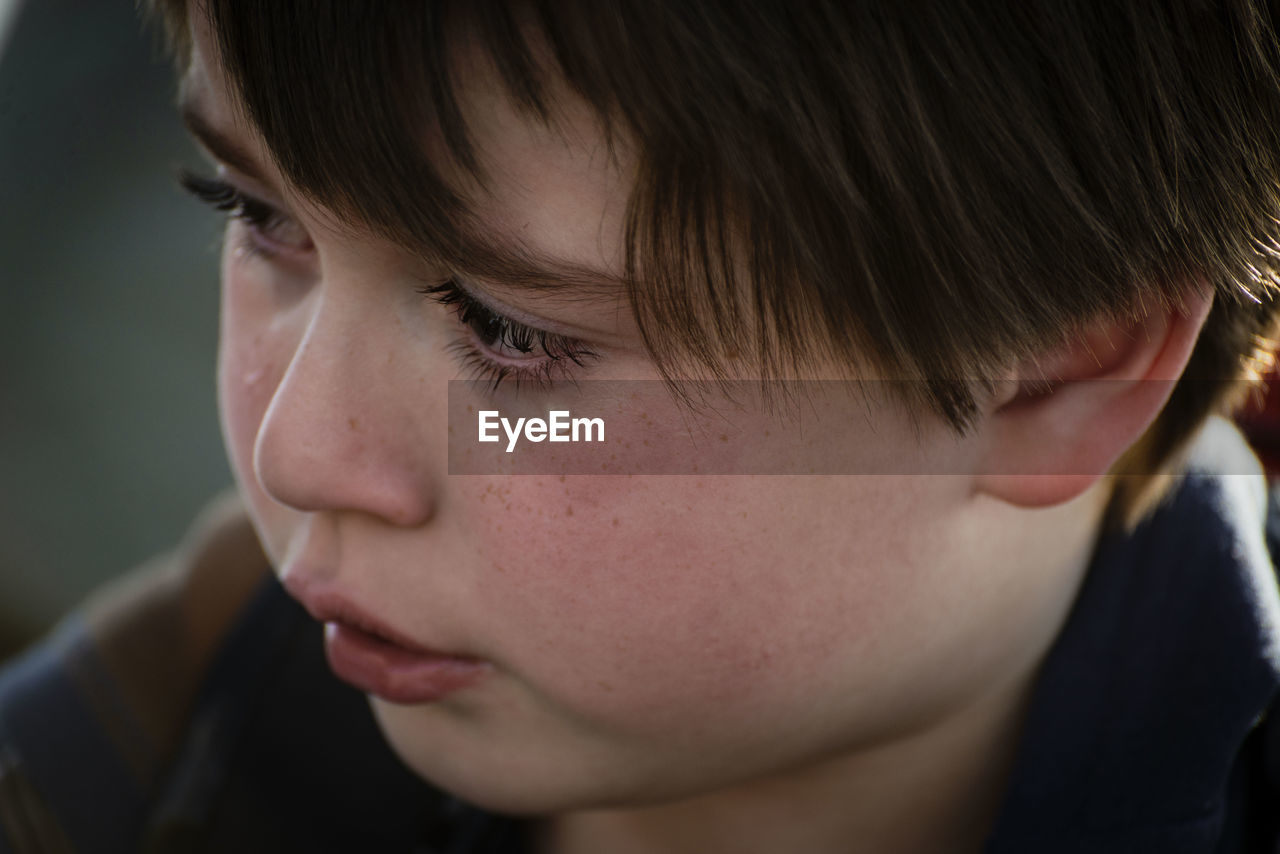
[(395, 673), (380, 661)]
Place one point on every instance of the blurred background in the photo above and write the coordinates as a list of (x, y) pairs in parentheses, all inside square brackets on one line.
[(108, 310)]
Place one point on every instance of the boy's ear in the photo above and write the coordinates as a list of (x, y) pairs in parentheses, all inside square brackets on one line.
[(1064, 418)]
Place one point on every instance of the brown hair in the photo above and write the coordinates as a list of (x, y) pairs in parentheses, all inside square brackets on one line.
[(941, 188)]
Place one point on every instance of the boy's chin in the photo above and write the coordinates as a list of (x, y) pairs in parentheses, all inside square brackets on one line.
[(452, 753), (527, 776)]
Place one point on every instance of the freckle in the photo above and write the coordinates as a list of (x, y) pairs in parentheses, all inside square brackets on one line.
[(615, 521), (766, 432), (562, 478), (724, 437), (353, 423), (606, 686), (646, 443), (568, 511), (470, 408)]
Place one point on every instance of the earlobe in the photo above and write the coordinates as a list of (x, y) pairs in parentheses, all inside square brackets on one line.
[(1063, 419)]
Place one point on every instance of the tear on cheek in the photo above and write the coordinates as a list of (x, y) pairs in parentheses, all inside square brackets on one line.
[(246, 383)]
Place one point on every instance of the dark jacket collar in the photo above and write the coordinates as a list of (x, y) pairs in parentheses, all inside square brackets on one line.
[(1169, 657)]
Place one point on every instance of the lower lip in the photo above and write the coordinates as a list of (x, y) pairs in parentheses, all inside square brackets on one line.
[(392, 672)]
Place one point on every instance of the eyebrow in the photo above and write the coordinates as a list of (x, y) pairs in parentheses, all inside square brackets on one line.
[(218, 143), (542, 274)]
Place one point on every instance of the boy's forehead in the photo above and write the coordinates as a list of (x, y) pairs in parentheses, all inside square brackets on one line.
[(206, 108), (555, 184), (550, 190)]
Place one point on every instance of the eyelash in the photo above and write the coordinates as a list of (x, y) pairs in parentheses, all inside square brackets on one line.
[(560, 354), (260, 217)]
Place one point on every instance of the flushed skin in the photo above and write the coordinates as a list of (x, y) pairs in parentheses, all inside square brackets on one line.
[(656, 644)]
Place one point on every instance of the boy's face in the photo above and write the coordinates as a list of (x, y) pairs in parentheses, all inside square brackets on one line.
[(642, 637)]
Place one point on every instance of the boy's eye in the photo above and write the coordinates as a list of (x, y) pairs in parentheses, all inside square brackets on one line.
[(271, 230), (498, 348)]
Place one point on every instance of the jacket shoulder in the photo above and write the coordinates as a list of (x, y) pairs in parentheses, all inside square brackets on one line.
[(90, 718)]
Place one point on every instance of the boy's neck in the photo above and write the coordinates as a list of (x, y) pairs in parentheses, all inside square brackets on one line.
[(925, 796), (936, 790)]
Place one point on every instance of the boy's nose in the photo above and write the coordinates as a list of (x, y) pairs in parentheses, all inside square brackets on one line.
[(345, 430)]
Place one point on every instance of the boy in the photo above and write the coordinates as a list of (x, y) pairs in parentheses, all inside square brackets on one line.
[(1036, 241)]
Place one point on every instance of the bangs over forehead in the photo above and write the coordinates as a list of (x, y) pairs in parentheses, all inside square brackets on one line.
[(933, 189), (352, 99)]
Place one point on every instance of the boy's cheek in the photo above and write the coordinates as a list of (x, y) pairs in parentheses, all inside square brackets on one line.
[(650, 593)]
